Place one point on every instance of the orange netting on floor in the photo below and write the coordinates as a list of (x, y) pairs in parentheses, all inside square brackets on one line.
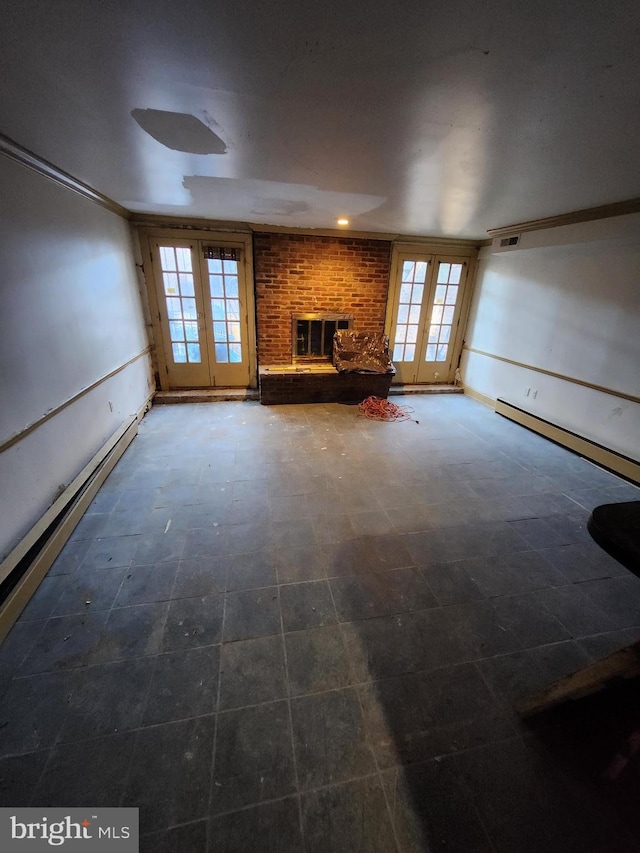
[(379, 409)]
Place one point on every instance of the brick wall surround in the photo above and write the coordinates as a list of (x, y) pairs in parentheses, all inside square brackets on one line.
[(296, 273)]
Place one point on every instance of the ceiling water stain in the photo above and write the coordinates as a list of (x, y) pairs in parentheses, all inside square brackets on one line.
[(179, 131)]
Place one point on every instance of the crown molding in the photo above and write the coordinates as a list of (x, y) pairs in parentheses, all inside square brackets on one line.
[(16, 152), (588, 214), (160, 220), (156, 220)]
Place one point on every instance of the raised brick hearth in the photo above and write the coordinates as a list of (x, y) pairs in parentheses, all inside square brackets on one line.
[(321, 384)]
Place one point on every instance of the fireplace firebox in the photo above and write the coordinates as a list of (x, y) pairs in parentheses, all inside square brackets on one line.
[(312, 335)]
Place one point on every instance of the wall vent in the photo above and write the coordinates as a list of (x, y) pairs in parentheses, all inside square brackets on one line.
[(510, 241)]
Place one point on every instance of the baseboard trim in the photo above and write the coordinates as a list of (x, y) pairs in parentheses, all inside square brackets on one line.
[(59, 522), (610, 459), (206, 395), (144, 408), (480, 397)]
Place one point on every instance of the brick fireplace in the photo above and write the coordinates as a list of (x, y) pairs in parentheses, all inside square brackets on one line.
[(298, 274)]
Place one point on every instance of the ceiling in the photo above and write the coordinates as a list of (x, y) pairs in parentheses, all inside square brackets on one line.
[(411, 117)]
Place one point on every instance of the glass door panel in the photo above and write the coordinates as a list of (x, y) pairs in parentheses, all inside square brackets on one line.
[(181, 315), (443, 315), (442, 312), (225, 310), (409, 307), (409, 296), (227, 318)]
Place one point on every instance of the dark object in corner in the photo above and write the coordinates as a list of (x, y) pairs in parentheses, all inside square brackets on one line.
[(356, 352), (616, 529)]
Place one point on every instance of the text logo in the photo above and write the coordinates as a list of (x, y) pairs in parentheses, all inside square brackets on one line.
[(114, 830)]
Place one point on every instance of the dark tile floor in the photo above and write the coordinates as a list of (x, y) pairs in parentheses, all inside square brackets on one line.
[(290, 628)]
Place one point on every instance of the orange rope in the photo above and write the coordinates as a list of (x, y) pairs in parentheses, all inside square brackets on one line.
[(379, 409)]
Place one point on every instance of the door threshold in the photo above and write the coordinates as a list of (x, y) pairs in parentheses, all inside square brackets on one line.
[(425, 389), (206, 395)]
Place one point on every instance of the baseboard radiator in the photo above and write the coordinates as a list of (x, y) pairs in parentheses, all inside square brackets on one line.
[(616, 462), (24, 568)]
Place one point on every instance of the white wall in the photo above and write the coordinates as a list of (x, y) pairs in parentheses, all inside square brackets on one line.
[(567, 300), (70, 314)]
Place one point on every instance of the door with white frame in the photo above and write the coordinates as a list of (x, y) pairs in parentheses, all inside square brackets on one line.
[(425, 307), (203, 309)]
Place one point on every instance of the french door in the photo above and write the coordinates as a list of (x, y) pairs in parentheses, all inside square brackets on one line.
[(425, 307), (202, 302)]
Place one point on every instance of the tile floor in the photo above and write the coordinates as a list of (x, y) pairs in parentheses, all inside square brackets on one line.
[(290, 628)]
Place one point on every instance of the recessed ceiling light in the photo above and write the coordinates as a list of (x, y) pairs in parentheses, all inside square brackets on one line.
[(343, 221)]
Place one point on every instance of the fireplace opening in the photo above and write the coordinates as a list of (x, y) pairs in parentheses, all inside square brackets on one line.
[(312, 335)]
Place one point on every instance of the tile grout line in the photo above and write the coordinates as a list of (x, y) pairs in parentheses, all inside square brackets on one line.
[(313, 790), (209, 830), (379, 774), (293, 744), (463, 784), (363, 719), (148, 691)]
